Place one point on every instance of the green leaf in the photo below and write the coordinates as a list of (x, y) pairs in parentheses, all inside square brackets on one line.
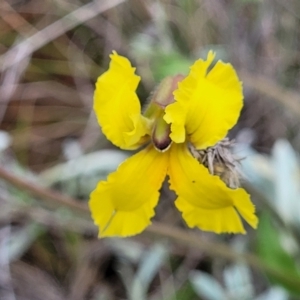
[(167, 64), (273, 254), (148, 268), (286, 179), (185, 292), (206, 286)]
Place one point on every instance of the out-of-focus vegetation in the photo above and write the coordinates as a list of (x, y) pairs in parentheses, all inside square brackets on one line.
[(52, 151)]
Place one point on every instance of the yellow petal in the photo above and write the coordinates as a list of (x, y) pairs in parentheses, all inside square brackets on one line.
[(117, 106), (204, 200), (208, 104), (124, 204)]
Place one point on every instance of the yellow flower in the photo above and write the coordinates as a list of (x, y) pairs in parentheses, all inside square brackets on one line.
[(203, 107)]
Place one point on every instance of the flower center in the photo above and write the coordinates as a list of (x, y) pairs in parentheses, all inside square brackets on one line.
[(161, 98), (161, 134)]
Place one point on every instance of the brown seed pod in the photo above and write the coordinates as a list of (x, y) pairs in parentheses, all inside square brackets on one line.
[(220, 161)]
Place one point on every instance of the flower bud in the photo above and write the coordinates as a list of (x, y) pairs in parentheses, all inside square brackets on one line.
[(163, 95)]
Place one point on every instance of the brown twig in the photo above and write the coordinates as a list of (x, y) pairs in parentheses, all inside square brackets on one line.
[(177, 235), (43, 193), (54, 30), (269, 88)]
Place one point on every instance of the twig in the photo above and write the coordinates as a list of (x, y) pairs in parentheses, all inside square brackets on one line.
[(43, 193), (263, 85), (51, 32), (216, 249), (177, 235)]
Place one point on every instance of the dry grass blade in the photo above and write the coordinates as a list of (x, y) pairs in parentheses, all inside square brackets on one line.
[(55, 197), (50, 58), (268, 88), (177, 235), (42, 37)]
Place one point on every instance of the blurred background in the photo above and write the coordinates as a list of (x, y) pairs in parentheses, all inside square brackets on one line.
[(52, 151)]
